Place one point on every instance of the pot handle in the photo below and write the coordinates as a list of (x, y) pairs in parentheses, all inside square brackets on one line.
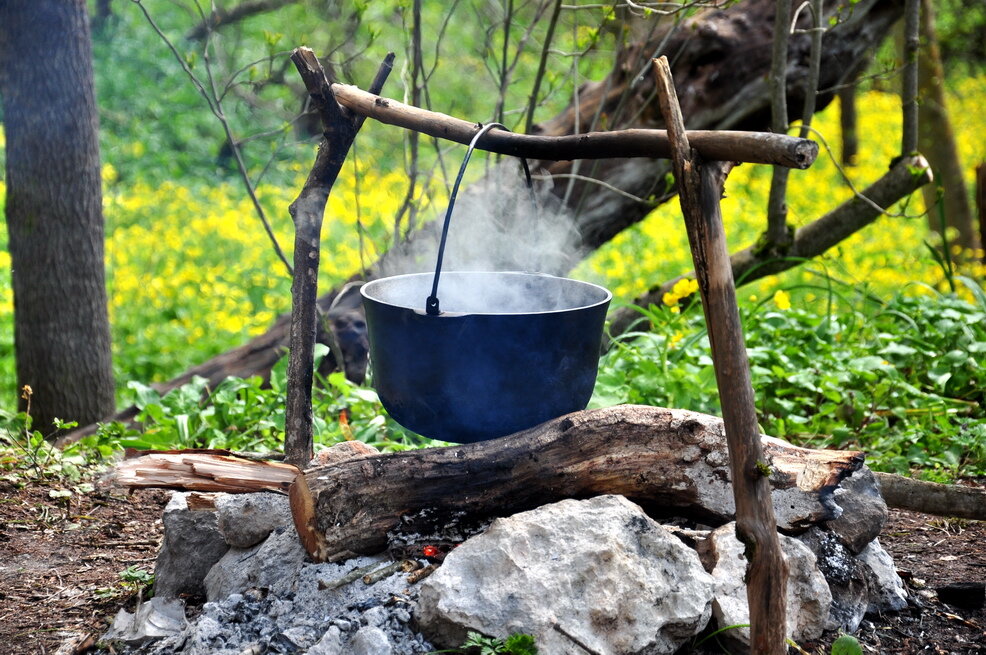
[(431, 303)]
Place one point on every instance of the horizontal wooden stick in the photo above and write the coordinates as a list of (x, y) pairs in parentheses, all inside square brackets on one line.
[(718, 145)]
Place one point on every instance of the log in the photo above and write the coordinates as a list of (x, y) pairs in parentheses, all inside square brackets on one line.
[(668, 460), (931, 498)]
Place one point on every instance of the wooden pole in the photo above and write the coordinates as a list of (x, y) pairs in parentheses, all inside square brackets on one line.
[(700, 186), (720, 145), (340, 128)]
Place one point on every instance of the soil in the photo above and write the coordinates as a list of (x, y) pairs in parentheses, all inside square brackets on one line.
[(61, 558)]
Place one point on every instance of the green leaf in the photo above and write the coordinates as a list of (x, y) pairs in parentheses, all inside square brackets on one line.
[(520, 644), (846, 645)]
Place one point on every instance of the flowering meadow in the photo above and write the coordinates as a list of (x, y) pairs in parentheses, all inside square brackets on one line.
[(191, 272)]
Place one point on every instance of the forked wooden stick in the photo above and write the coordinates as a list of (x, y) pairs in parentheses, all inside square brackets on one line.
[(700, 185)]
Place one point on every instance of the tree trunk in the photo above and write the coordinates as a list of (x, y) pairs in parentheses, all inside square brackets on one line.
[(54, 211), (936, 141)]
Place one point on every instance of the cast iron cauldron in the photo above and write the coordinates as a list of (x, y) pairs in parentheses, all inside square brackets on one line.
[(508, 350)]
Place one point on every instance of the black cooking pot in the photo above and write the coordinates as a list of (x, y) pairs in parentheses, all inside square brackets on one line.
[(503, 352), (507, 352)]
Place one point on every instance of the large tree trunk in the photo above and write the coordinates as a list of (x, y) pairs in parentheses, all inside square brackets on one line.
[(54, 211)]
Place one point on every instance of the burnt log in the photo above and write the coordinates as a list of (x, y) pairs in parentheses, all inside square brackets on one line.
[(670, 461)]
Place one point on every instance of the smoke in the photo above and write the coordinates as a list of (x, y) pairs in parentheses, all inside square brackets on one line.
[(497, 225), (475, 292)]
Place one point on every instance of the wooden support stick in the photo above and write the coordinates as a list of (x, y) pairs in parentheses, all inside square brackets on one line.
[(699, 189), (752, 147), (340, 128)]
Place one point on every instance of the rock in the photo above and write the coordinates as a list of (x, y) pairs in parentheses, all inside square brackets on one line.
[(808, 596), (272, 565), (845, 577), (192, 544), (159, 617), (887, 593), (329, 644), (864, 510), (245, 520), (599, 569), (370, 640)]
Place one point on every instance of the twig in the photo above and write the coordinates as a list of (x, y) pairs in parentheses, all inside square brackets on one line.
[(532, 102), (777, 233), (597, 182), (422, 573), (350, 577), (385, 572), (215, 106), (575, 640)]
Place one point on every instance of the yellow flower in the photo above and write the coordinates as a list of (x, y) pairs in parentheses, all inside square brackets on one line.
[(685, 287), (782, 300), (670, 299), (675, 338)]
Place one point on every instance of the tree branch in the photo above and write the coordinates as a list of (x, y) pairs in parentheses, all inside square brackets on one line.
[(753, 147), (812, 240)]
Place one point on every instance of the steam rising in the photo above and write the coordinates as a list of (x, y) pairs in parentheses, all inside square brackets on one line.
[(474, 292), (496, 227)]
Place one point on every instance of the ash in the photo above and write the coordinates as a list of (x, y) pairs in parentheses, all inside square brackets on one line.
[(331, 611)]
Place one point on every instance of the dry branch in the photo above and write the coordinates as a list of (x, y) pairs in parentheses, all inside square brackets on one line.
[(700, 185), (752, 147), (931, 498), (753, 263)]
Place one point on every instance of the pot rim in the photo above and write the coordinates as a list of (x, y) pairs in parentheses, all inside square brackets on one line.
[(607, 295)]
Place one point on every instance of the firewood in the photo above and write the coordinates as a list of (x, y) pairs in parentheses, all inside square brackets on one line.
[(204, 470), (932, 498), (668, 460)]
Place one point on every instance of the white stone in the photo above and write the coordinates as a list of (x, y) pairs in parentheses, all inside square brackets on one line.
[(155, 618), (329, 644), (808, 595), (370, 640), (598, 569), (887, 593)]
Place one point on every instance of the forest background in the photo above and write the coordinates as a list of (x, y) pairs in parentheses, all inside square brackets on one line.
[(874, 345)]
